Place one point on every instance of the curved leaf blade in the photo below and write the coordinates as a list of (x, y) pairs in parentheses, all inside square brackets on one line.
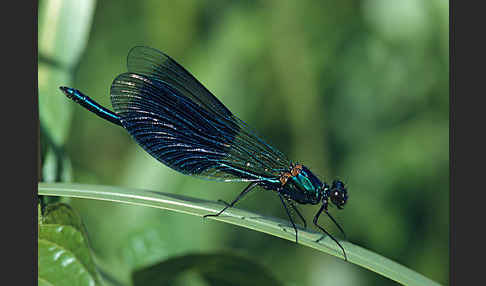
[(265, 224)]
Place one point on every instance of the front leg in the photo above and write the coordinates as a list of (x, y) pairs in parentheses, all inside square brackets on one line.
[(316, 218)]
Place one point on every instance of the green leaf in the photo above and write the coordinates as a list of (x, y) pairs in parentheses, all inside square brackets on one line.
[(64, 29), (64, 257), (63, 33), (63, 214), (39, 214), (49, 166), (41, 282), (216, 269), (273, 226), (58, 266), (54, 108)]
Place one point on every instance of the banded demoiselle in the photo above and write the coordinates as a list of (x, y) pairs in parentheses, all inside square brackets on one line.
[(183, 125)]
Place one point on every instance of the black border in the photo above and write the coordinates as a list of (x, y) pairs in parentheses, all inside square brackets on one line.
[(467, 155), (19, 126)]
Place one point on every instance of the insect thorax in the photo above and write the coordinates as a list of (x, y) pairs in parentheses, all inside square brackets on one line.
[(300, 185)]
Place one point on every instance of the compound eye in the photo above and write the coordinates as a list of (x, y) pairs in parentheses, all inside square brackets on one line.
[(338, 194)]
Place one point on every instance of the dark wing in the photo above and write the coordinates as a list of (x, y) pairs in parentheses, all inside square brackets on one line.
[(180, 123), (155, 64)]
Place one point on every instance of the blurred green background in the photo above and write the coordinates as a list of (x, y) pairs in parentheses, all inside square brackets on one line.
[(353, 89)]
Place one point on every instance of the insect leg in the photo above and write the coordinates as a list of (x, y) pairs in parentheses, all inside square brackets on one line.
[(290, 217), (241, 195), (316, 217), (223, 202), (335, 222), (294, 207)]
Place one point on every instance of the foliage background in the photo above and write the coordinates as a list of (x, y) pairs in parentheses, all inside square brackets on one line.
[(353, 89)]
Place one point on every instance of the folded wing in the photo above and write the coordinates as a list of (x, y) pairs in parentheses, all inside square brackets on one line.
[(180, 123)]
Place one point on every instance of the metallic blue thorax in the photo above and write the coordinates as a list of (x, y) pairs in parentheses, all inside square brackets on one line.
[(305, 187)]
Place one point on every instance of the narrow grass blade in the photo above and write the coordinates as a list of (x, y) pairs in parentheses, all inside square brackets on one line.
[(254, 221)]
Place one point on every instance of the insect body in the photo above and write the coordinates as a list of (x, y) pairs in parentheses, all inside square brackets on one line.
[(179, 122)]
